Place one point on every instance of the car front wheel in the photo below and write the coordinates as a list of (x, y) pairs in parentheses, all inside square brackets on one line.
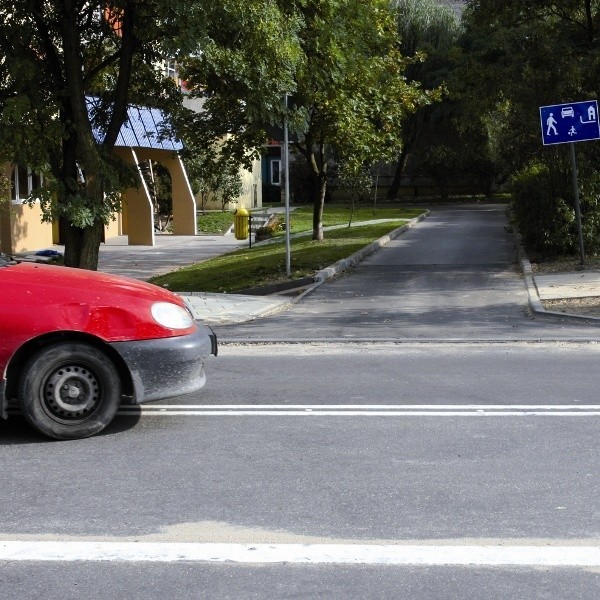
[(69, 390)]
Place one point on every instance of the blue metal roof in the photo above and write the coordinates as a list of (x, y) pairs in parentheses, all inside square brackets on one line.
[(143, 128)]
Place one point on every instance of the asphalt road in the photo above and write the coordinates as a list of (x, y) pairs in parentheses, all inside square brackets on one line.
[(454, 461), (452, 277)]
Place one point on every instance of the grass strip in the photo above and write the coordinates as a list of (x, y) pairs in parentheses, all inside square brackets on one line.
[(215, 222), (263, 265), (336, 214)]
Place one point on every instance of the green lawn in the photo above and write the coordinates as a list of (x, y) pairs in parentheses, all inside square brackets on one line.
[(264, 264), (335, 214), (216, 222)]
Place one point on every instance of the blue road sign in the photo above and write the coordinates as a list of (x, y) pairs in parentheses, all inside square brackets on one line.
[(566, 123)]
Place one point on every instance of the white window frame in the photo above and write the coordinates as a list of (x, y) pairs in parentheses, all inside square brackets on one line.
[(273, 180), (171, 69), (18, 197)]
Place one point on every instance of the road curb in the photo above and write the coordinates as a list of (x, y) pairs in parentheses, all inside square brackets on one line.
[(360, 255), (535, 303), (342, 265)]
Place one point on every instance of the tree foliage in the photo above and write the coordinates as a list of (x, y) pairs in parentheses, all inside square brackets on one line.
[(518, 56), (241, 68), (56, 53), (338, 59), (429, 31)]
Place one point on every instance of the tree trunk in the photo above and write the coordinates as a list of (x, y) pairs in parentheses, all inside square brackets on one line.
[(392, 193), (319, 203), (315, 155), (81, 151), (82, 245), (412, 132), (589, 21)]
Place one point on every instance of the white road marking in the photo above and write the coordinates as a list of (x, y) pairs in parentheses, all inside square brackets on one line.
[(345, 410), (423, 555)]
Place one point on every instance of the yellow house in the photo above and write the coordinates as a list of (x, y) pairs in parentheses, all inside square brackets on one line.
[(21, 226)]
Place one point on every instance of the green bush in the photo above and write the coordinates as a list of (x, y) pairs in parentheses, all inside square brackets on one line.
[(542, 210), (589, 189), (269, 229)]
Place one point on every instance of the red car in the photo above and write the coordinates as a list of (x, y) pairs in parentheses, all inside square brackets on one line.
[(73, 343)]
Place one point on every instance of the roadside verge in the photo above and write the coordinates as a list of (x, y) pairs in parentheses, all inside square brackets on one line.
[(535, 303), (220, 308)]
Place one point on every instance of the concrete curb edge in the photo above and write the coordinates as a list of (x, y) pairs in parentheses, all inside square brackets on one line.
[(341, 265), (535, 303)]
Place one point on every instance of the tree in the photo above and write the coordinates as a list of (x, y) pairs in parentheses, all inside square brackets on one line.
[(429, 30), (229, 186), (213, 173), (339, 60), (241, 70), (56, 53), (352, 90), (510, 66), (357, 184)]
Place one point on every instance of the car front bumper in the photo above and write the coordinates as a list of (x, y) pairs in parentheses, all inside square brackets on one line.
[(166, 367)]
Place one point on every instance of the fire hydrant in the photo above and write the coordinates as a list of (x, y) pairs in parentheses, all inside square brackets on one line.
[(241, 220)]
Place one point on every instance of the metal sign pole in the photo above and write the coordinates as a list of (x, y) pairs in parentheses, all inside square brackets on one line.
[(286, 176), (577, 206)]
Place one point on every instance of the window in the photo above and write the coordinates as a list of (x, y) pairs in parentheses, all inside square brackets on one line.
[(275, 172), (23, 181), (171, 70)]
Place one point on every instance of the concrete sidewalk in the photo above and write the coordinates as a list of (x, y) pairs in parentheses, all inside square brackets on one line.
[(559, 286), (579, 284)]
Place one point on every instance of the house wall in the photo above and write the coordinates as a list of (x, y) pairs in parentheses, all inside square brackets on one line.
[(138, 221), (251, 196), (26, 231), (21, 226), (114, 228), (22, 229)]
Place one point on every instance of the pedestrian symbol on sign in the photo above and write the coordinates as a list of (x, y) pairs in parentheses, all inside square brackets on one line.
[(551, 122)]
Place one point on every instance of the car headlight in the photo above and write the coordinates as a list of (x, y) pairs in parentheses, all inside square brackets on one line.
[(171, 316)]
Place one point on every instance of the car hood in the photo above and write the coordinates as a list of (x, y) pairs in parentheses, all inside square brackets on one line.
[(36, 299), (85, 285)]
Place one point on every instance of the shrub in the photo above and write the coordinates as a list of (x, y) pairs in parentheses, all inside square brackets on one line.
[(589, 189), (542, 210), (273, 226)]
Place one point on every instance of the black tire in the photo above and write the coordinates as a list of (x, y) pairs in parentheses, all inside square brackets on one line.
[(69, 391)]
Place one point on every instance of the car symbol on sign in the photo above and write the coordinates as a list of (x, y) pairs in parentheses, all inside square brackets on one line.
[(567, 111)]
